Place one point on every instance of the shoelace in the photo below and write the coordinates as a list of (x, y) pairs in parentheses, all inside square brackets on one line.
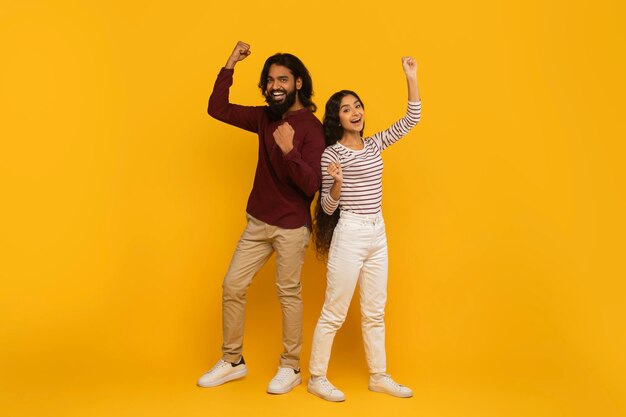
[(393, 383), (218, 366), (282, 374), (327, 385)]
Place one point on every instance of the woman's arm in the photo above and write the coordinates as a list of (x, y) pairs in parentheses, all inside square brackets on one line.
[(410, 70), (389, 136), (332, 179), (334, 170)]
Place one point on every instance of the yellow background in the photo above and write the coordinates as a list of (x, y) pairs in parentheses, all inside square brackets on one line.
[(122, 202)]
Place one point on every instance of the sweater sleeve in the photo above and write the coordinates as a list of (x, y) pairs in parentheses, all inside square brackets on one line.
[(220, 108), (400, 128), (304, 165), (329, 204)]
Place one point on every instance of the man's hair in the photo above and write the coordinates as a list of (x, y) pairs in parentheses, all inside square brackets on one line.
[(298, 70)]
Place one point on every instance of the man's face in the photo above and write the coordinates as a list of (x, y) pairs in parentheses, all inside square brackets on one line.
[(281, 89)]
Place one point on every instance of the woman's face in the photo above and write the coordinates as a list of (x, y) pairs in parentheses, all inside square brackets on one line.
[(351, 114)]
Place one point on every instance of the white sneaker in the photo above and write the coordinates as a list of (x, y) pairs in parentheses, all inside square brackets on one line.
[(322, 387), (284, 381), (384, 383), (223, 372)]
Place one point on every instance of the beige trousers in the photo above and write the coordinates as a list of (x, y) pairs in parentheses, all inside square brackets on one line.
[(257, 243)]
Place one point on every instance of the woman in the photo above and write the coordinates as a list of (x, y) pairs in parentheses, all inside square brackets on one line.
[(350, 230)]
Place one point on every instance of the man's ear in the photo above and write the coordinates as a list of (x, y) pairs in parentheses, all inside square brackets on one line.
[(298, 83)]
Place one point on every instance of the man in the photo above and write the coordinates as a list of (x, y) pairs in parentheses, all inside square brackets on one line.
[(291, 142)]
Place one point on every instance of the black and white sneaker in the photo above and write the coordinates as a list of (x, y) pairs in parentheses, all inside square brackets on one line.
[(284, 381), (223, 372)]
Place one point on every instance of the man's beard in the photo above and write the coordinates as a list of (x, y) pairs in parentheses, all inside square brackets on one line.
[(278, 109)]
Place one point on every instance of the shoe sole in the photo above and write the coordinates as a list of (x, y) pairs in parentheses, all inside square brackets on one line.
[(383, 391), (334, 400), (240, 373), (285, 390)]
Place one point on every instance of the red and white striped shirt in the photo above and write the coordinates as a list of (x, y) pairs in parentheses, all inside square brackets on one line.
[(362, 188)]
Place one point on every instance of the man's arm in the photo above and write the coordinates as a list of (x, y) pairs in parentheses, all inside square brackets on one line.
[(241, 52), (304, 167), (220, 108)]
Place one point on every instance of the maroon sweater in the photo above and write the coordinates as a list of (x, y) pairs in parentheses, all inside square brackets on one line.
[(284, 185)]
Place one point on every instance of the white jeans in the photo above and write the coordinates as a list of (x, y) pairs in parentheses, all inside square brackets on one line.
[(358, 252)]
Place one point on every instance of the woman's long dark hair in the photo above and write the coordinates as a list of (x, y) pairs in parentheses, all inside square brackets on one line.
[(323, 224), (298, 70)]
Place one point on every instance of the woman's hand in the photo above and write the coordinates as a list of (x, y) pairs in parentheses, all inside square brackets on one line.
[(409, 66), (334, 170), (410, 70)]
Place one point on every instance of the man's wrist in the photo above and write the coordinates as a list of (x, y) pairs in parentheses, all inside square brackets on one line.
[(286, 150)]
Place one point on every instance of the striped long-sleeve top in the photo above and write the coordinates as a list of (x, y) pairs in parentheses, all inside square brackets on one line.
[(362, 188)]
